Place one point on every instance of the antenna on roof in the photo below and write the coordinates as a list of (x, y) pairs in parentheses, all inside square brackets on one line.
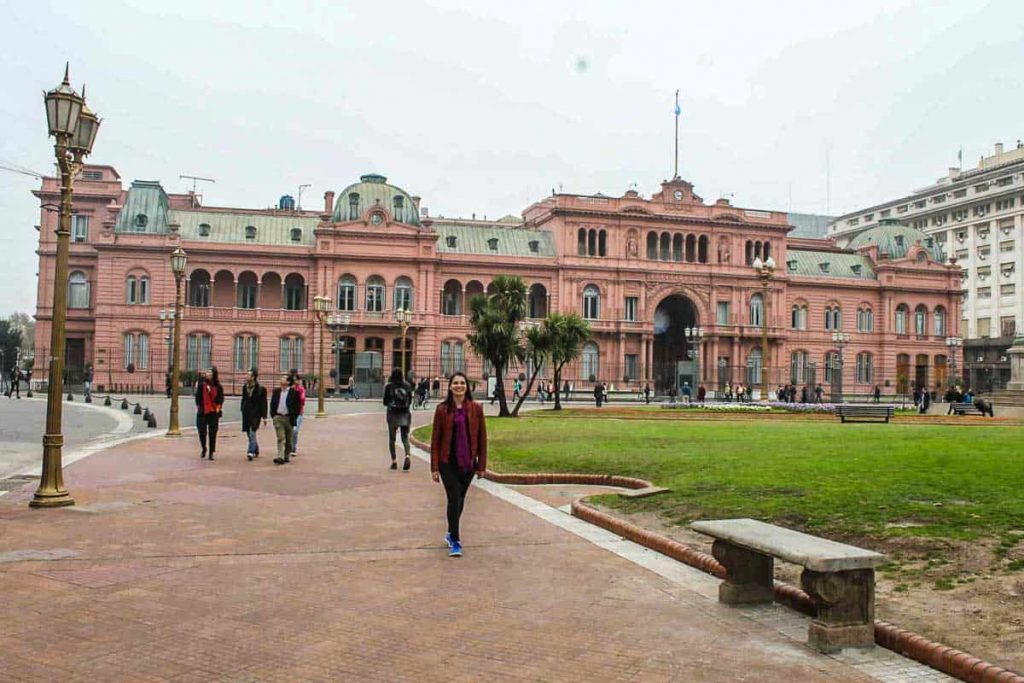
[(301, 188), (196, 179)]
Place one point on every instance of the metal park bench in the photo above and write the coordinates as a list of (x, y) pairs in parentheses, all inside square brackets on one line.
[(846, 411), (964, 408), (839, 578)]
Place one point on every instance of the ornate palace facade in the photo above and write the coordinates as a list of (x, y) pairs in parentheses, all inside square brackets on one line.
[(644, 271)]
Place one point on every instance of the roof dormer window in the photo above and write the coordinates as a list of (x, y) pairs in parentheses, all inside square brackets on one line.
[(141, 221), (492, 244), (296, 234), (250, 232), (534, 246), (353, 206), (856, 268), (899, 240), (452, 241), (791, 265), (824, 266), (204, 229)]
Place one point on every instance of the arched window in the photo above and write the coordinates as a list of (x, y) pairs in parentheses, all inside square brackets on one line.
[(652, 245), (757, 250), (294, 293), (591, 302), (677, 247), (902, 313), (396, 354), (939, 318), (799, 317), (199, 289), (749, 253), (581, 242), (78, 290), (798, 367), (865, 368), (403, 294), (941, 370), (451, 298), (250, 232), (902, 372), (138, 289), (353, 206), (921, 321), (452, 357), (198, 349), (602, 243), (832, 369), (136, 350), (865, 320), (766, 250), (347, 293), (290, 353), (833, 318), (247, 352), (757, 310), (592, 242), (590, 367), (703, 243), (375, 294), (537, 301), (666, 247), (754, 367), (691, 248), (247, 289), (399, 204)]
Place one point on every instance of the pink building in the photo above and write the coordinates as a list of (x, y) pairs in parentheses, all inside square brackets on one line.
[(642, 270)]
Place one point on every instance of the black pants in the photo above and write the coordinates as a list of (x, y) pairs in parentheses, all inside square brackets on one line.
[(392, 430), (207, 426), (456, 484)]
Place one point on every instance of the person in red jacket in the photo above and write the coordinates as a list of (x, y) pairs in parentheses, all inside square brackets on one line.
[(458, 449), (300, 389), (209, 397)]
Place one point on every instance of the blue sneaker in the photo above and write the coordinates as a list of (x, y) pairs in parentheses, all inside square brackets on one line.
[(456, 550), (448, 540)]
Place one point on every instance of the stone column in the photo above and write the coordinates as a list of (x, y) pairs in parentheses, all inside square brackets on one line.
[(749, 577), (845, 603), (1016, 354)]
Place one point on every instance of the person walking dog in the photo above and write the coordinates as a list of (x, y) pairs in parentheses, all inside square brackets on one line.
[(254, 411), (398, 399), (284, 407), (458, 449), (209, 397)]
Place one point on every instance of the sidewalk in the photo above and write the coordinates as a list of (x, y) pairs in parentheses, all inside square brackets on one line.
[(332, 568)]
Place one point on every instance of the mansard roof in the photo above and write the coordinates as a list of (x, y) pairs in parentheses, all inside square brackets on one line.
[(830, 264), (473, 239), (371, 191), (144, 210)]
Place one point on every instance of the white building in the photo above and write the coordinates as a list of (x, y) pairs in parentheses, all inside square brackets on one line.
[(977, 217)]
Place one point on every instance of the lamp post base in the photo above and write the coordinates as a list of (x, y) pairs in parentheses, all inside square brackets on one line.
[(48, 499), (321, 414), (175, 433)]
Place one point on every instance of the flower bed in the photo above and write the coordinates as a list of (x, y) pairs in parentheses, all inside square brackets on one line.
[(720, 407)]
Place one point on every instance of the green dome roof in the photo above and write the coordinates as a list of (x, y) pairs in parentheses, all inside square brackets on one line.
[(896, 239), (373, 190)]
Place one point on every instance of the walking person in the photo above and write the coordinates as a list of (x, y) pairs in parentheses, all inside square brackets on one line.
[(15, 388), (701, 393), (422, 392), (647, 394), (878, 394), (254, 411), (598, 394), (458, 449), (284, 409), (566, 391), (517, 388), (299, 386), (435, 387), (87, 379), (398, 399), (209, 395)]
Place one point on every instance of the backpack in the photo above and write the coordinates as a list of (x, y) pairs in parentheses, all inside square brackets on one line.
[(400, 398)]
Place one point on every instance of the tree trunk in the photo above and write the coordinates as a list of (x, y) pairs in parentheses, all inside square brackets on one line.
[(499, 386), (529, 388), (558, 388)]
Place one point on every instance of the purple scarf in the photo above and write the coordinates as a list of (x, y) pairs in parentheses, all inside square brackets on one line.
[(462, 451)]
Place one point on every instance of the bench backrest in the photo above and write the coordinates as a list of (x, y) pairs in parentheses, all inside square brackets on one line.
[(817, 554)]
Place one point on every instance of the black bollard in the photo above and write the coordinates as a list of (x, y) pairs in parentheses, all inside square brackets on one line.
[(71, 397), (88, 398), (107, 402), (138, 409), (151, 422), (145, 414), (124, 404)]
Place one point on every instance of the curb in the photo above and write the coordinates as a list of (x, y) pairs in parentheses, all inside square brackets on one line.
[(948, 660)]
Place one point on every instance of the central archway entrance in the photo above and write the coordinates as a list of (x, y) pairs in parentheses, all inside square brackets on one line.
[(672, 362)]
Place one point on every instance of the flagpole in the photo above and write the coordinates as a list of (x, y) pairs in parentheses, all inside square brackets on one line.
[(676, 173)]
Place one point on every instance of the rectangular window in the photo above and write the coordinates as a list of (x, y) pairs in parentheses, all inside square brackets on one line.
[(723, 313), (1007, 326), (1007, 290), (79, 228), (197, 351), (985, 293), (1005, 247), (632, 303), (143, 352), (129, 349), (984, 327), (403, 297), (632, 365), (291, 353)]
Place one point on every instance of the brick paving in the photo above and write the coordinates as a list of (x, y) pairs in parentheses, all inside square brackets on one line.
[(332, 568)]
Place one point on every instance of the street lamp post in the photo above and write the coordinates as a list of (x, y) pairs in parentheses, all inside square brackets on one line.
[(337, 323), (765, 271), (840, 339), (693, 336), (321, 306), (404, 318), (954, 344), (74, 128), (179, 260)]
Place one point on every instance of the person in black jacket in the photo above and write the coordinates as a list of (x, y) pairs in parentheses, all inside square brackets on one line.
[(398, 399), (284, 410), (209, 397), (254, 411)]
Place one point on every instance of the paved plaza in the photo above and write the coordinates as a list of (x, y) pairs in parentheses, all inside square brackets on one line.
[(332, 568)]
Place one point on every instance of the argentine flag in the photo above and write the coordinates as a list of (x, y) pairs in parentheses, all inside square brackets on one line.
[(678, 110)]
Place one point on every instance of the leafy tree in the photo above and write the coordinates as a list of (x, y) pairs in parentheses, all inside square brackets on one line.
[(536, 350), (10, 344), (495, 318), (567, 333)]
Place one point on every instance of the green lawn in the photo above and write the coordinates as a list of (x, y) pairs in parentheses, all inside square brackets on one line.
[(853, 480)]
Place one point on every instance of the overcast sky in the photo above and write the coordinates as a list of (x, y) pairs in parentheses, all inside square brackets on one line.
[(485, 107)]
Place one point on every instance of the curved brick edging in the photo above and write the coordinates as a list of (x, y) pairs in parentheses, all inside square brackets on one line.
[(950, 661)]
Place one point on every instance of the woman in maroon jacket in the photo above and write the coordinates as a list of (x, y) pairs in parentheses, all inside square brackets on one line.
[(458, 448)]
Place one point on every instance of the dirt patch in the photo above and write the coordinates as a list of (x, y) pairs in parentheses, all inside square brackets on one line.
[(966, 595)]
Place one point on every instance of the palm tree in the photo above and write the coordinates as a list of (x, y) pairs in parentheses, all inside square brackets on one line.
[(495, 319), (536, 351), (567, 333)]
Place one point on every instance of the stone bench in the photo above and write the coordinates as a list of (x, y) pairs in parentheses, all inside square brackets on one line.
[(847, 411), (839, 578)]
